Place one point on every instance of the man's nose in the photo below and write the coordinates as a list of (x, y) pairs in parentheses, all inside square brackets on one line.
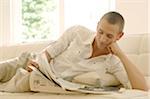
[(103, 38)]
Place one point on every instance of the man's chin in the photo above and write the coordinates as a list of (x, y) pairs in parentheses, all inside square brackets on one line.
[(102, 47)]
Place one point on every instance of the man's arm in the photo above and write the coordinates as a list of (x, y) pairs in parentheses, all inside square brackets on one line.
[(55, 48), (135, 76)]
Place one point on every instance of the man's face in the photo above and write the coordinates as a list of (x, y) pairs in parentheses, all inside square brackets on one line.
[(106, 34)]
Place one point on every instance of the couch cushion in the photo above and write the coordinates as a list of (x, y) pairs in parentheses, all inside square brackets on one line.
[(145, 44), (144, 55), (143, 63), (137, 48), (130, 44)]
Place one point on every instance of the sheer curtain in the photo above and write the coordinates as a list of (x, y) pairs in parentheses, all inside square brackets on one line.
[(10, 21), (4, 22)]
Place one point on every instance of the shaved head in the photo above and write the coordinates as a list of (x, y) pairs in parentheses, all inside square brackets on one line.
[(114, 18)]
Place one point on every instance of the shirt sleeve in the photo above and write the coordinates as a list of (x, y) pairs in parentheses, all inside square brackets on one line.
[(118, 70), (63, 42)]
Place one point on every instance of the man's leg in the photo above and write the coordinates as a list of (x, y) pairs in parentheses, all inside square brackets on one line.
[(8, 68), (18, 83), (13, 77)]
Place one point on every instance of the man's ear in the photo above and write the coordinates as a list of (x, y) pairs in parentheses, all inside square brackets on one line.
[(120, 34)]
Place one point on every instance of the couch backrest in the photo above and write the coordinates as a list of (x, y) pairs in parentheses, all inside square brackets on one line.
[(135, 46), (9, 52)]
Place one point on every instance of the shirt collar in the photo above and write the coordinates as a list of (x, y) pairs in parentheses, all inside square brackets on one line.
[(90, 39)]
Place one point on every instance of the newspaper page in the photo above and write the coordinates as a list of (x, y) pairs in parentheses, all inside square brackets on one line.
[(46, 70)]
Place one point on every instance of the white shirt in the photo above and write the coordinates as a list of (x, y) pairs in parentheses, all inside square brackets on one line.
[(70, 55)]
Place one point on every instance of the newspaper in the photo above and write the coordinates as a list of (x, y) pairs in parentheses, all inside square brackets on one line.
[(47, 71)]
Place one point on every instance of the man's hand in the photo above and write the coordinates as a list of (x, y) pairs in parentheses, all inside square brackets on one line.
[(114, 49), (30, 64)]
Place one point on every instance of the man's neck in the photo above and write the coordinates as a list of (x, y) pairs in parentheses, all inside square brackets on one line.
[(98, 52)]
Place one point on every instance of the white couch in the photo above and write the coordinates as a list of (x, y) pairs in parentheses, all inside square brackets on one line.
[(137, 47)]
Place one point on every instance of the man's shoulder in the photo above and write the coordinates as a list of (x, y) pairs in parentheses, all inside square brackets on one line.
[(80, 29), (80, 33), (77, 26), (83, 32)]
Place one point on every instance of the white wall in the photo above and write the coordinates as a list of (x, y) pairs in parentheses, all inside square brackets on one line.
[(85, 12), (148, 16), (136, 15)]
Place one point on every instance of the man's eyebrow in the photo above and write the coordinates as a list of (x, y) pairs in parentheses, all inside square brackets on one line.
[(105, 32)]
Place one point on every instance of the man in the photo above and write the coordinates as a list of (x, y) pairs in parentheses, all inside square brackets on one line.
[(81, 51), (109, 30)]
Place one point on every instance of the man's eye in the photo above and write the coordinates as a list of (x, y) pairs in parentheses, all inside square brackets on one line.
[(109, 36), (100, 32)]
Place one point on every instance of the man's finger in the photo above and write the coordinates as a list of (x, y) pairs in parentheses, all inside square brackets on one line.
[(29, 69), (33, 63), (109, 49)]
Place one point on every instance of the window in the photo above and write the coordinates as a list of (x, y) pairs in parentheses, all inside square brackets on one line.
[(36, 20), (39, 19)]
